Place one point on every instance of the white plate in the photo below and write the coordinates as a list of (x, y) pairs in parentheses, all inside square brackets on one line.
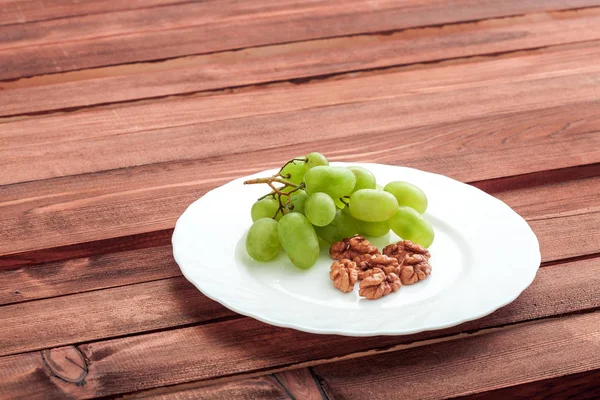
[(484, 255)]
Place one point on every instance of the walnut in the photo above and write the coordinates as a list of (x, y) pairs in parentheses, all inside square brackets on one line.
[(410, 274), (383, 262), (356, 248), (378, 283), (403, 248), (344, 275), (374, 285), (414, 268)]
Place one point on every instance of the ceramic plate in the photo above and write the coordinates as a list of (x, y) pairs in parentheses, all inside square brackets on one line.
[(484, 255)]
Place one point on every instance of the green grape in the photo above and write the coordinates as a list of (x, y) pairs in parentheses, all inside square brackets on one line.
[(374, 228), (342, 226), (299, 240), (298, 200), (372, 205), (262, 242), (314, 160), (339, 204), (335, 181), (364, 178), (294, 171), (410, 225), (265, 208), (320, 209), (408, 194)]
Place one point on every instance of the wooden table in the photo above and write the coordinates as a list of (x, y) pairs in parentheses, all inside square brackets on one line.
[(114, 116)]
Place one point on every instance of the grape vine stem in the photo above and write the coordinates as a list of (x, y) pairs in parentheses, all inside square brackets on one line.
[(277, 192)]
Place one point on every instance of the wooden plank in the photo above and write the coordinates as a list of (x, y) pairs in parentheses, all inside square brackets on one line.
[(278, 98), (213, 350), (364, 105), (543, 350), (245, 389), (565, 216), (582, 386), (294, 60), (86, 274), (87, 249), (197, 28), (24, 11), (118, 203), (104, 313)]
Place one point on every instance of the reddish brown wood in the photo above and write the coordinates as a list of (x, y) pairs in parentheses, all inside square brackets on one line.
[(103, 314), (295, 60), (565, 216), (364, 105), (301, 384), (582, 386), (245, 389), (96, 187), (196, 28), (128, 201), (213, 350), (87, 249), (540, 178), (24, 11), (86, 274), (377, 85), (507, 357)]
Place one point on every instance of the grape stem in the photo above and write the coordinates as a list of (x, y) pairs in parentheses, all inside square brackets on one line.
[(343, 200), (292, 161), (277, 192), (270, 180)]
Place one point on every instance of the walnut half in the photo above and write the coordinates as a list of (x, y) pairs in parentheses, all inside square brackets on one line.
[(381, 261), (355, 248), (378, 283), (403, 248), (344, 275)]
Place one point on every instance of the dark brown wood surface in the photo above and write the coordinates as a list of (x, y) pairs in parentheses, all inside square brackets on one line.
[(114, 116)]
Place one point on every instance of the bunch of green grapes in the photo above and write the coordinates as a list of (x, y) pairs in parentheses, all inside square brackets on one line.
[(331, 203)]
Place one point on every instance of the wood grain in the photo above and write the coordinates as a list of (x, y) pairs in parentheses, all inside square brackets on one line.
[(197, 28), (79, 209), (285, 97), (214, 350), (24, 11), (86, 274), (295, 60), (87, 249), (546, 349), (114, 117), (245, 389), (582, 386), (364, 105), (300, 384), (564, 216), (104, 314)]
